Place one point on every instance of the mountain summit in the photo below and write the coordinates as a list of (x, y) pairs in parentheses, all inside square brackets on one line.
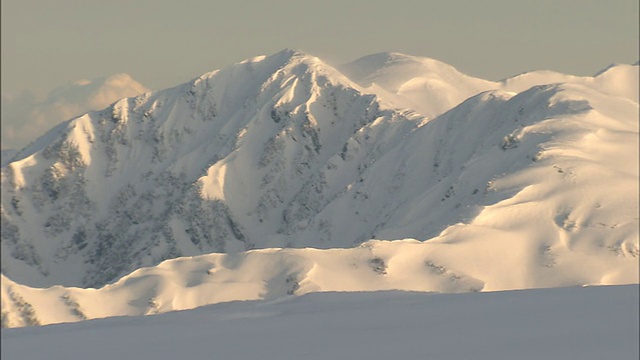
[(238, 158), (287, 151), (423, 84)]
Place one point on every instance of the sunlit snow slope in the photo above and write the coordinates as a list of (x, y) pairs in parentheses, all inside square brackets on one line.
[(531, 183), (443, 265)]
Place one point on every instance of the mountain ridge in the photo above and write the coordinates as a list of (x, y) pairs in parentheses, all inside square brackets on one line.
[(271, 274), (152, 129), (286, 151)]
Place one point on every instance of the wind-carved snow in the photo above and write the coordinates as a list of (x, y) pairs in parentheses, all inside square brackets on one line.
[(285, 151)]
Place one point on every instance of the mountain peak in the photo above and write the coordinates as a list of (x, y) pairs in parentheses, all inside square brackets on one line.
[(388, 58), (292, 56), (429, 86), (283, 151), (291, 53)]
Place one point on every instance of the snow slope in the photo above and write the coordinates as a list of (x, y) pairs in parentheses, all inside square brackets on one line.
[(26, 116), (446, 264), (7, 155), (432, 87), (425, 85), (568, 323), (236, 159), (286, 151)]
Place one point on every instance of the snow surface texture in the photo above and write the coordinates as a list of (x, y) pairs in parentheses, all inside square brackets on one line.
[(568, 323), (187, 283), (531, 183)]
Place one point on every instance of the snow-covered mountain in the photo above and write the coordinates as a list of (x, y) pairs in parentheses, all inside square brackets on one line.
[(26, 115), (239, 158), (531, 183), (447, 265), (425, 85), (6, 155)]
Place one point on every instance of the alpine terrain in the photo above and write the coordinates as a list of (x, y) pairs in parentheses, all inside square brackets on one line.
[(283, 175)]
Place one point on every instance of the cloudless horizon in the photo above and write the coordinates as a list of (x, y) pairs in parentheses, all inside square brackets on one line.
[(163, 43)]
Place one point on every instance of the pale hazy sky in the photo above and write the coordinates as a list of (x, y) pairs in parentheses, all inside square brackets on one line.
[(160, 43)]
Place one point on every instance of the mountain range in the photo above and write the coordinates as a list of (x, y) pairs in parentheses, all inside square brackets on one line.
[(276, 175)]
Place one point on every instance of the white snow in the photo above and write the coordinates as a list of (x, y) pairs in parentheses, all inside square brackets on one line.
[(568, 323), (213, 183), (25, 116), (426, 85), (480, 258), (7, 155), (530, 182)]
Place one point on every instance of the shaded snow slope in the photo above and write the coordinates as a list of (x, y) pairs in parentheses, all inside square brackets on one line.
[(285, 151), (569, 323), (7, 155)]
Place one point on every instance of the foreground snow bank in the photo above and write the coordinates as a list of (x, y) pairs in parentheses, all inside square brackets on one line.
[(563, 323)]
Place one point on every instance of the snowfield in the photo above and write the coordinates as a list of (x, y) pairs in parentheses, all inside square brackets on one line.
[(436, 265), (282, 175), (566, 323)]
